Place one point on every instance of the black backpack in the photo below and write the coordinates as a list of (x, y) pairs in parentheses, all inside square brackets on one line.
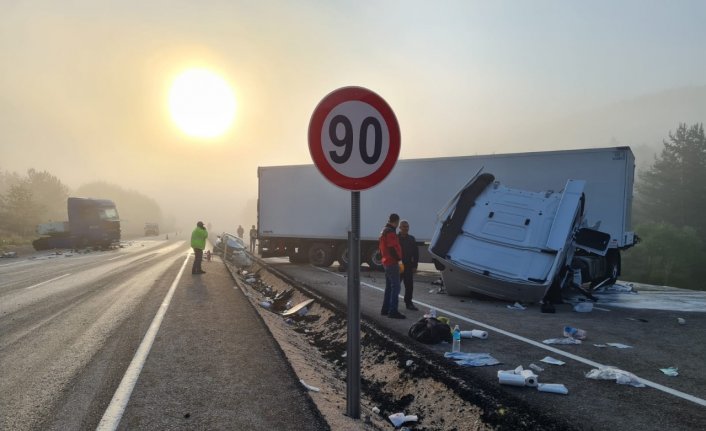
[(428, 330)]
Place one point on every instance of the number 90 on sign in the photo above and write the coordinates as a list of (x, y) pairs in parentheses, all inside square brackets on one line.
[(355, 139)]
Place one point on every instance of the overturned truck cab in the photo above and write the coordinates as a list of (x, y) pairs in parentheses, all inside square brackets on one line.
[(512, 244)]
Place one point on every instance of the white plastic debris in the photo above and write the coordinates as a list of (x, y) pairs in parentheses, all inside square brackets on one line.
[(554, 388), (467, 359), (398, 419), (583, 307), (265, 304), (565, 340), (250, 280), (516, 306), (621, 377), (409, 363), (309, 387), (553, 361), (536, 368), (475, 333), (576, 333), (517, 377), (671, 371), (681, 321), (601, 345), (376, 410), (619, 345), (344, 354)]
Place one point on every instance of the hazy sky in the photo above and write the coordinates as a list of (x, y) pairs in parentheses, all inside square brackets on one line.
[(83, 84)]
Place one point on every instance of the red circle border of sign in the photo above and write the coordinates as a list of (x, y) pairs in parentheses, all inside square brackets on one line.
[(316, 123)]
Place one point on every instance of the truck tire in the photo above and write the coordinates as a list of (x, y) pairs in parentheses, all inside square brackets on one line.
[(613, 265), (299, 255), (321, 254), (373, 258), (342, 255)]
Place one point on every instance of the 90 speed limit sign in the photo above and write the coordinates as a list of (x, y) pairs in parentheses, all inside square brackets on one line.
[(354, 138)]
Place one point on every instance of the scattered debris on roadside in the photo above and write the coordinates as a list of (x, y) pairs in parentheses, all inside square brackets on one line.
[(475, 333), (467, 359), (565, 340), (309, 387), (516, 306), (553, 361), (576, 333), (671, 371), (398, 419), (621, 377), (681, 321), (554, 388), (619, 345), (9, 254)]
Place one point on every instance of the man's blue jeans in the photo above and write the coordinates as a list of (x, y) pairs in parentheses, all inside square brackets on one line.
[(392, 289)]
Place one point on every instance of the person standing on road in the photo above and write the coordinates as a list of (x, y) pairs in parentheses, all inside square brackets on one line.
[(253, 238), (198, 243), (391, 251), (410, 260), (241, 231)]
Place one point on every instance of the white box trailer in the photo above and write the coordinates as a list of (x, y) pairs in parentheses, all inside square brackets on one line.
[(303, 216)]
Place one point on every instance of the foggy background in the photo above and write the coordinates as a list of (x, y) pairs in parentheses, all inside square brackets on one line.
[(83, 86)]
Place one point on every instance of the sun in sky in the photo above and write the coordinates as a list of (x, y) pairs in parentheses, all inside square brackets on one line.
[(202, 103)]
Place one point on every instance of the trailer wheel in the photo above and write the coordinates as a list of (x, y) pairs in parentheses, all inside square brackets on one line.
[(320, 254), (299, 255), (613, 269), (374, 259), (342, 255)]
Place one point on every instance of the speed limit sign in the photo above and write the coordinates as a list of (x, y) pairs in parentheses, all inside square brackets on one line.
[(354, 138)]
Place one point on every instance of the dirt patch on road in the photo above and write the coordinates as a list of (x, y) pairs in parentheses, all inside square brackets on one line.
[(397, 375)]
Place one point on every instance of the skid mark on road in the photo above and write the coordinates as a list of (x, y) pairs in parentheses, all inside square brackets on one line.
[(577, 358), (114, 413)]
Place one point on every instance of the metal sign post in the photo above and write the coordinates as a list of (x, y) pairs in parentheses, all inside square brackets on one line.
[(354, 140), (353, 342)]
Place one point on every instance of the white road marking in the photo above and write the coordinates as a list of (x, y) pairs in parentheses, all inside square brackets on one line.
[(117, 257), (577, 358), (114, 413), (48, 281)]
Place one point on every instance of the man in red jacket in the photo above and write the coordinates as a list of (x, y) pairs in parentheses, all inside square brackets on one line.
[(391, 251)]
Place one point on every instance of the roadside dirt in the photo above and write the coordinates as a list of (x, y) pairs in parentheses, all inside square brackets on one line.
[(443, 395)]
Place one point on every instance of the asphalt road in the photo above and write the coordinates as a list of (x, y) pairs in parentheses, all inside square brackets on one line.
[(70, 325), (656, 338)]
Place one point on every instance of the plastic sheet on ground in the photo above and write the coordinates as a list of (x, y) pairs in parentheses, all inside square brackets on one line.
[(554, 388), (566, 340), (671, 371), (553, 361), (619, 345), (398, 419), (466, 359), (621, 377)]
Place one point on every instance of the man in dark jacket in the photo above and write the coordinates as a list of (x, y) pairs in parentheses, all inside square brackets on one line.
[(410, 260), (391, 251)]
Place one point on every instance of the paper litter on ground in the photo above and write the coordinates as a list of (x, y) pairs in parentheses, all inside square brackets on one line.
[(516, 306), (621, 377), (671, 371), (472, 359), (565, 340), (550, 360), (619, 345)]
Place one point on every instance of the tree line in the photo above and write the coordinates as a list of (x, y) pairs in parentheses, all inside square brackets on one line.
[(40, 197), (669, 218)]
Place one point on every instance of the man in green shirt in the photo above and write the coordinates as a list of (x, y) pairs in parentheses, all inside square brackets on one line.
[(198, 243)]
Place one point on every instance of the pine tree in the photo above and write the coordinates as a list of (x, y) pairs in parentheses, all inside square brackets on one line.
[(673, 190)]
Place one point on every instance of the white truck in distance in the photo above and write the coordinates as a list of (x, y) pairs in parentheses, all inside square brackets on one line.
[(303, 216)]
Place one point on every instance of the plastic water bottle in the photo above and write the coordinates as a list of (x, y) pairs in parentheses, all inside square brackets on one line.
[(456, 347)]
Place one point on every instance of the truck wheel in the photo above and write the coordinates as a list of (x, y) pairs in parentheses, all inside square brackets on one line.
[(374, 259), (613, 265), (320, 254), (342, 255), (300, 255)]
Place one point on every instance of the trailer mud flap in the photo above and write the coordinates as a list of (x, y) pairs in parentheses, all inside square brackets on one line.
[(453, 225)]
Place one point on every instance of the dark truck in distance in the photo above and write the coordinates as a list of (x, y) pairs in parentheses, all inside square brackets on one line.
[(92, 223)]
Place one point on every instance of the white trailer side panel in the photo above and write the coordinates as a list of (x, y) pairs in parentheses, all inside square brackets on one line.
[(296, 201)]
